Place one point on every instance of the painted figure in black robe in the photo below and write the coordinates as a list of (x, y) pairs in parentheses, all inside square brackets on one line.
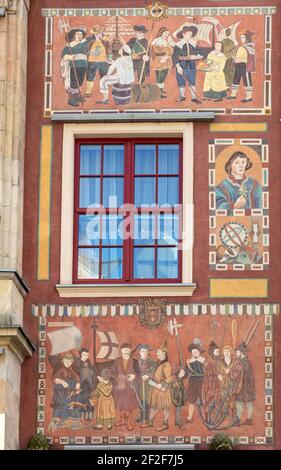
[(194, 371)]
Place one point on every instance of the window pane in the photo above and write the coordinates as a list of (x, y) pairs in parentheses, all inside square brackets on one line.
[(89, 192), (90, 159), (145, 159), (88, 263), (113, 192), (112, 263), (89, 230), (113, 160), (168, 229), (144, 191), (112, 230), (144, 229), (168, 190), (167, 263), (144, 263), (168, 159)]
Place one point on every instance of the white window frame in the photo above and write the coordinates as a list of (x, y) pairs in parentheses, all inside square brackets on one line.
[(71, 132)]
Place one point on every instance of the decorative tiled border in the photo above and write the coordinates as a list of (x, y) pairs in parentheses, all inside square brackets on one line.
[(198, 11), (266, 11), (52, 310), (268, 310), (214, 214)]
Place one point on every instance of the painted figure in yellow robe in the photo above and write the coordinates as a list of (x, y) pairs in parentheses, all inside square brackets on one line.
[(103, 402), (215, 85)]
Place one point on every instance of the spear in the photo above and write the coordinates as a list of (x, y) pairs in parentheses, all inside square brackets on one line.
[(247, 341), (234, 332)]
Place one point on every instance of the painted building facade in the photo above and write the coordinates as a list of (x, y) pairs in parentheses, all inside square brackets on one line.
[(146, 306)]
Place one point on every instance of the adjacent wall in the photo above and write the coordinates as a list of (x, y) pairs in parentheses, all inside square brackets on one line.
[(13, 59)]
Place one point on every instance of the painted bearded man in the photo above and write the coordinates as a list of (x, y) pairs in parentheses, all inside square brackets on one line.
[(125, 371)]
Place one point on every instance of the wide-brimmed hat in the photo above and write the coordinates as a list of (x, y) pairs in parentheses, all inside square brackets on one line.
[(70, 35), (193, 29), (141, 28), (196, 344)]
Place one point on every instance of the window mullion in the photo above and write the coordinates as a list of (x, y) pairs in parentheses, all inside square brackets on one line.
[(128, 200)]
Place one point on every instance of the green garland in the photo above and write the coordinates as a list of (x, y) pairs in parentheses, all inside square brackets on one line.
[(221, 442), (38, 442)]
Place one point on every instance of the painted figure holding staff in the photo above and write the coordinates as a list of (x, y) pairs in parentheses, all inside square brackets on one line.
[(146, 368), (74, 64)]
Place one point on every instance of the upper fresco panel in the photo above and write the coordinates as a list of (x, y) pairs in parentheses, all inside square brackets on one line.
[(158, 58)]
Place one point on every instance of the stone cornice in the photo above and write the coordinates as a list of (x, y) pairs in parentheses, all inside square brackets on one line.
[(15, 339), (122, 290), (12, 275)]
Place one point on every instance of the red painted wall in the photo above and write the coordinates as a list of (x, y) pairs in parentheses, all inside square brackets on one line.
[(45, 292)]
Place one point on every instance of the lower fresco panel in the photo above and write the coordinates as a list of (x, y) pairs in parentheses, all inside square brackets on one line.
[(155, 373)]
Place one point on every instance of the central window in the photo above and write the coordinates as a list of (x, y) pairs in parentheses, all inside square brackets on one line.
[(128, 211)]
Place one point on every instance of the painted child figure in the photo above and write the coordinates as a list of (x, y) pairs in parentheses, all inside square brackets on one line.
[(103, 402)]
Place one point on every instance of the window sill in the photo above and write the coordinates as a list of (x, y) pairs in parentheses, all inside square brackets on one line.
[(121, 290)]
